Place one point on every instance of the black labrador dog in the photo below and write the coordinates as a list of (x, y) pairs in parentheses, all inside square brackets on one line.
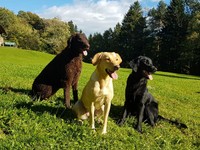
[(139, 102), (63, 71)]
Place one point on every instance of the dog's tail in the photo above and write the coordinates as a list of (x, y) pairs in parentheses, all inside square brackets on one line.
[(178, 124)]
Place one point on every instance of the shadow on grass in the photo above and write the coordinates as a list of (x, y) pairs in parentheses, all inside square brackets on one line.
[(6, 89), (40, 108), (178, 76), (60, 112), (37, 107), (116, 112)]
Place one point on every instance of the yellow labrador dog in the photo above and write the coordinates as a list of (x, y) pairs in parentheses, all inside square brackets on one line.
[(98, 92)]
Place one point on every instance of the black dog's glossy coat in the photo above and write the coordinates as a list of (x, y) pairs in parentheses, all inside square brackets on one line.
[(63, 71), (139, 102)]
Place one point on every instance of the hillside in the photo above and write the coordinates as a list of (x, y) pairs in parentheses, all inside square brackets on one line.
[(47, 125)]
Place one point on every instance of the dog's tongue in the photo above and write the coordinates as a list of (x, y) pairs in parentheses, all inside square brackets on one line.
[(114, 75), (85, 53), (150, 77)]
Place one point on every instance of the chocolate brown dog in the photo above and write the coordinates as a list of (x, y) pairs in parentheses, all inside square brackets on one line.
[(63, 71)]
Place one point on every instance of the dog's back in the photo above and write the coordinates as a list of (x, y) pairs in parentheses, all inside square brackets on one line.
[(55, 72), (50, 75)]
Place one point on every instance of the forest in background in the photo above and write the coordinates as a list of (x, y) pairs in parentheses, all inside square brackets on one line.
[(169, 34)]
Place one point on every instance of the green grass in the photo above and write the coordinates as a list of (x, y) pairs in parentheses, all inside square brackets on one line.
[(47, 125)]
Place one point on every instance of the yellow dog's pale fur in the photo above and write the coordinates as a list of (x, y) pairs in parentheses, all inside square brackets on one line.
[(98, 92)]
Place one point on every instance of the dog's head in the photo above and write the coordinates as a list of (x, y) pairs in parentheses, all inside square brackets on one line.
[(144, 66), (79, 43), (108, 63)]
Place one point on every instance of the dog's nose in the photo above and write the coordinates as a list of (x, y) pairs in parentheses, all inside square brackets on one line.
[(116, 67)]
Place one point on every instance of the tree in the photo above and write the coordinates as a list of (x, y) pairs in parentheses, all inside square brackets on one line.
[(96, 42), (55, 35), (18, 31), (116, 38), (24, 36), (34, 20), (131, 35), (173, 33), (155, 23), (190, 56), (7, 18), (73, 28)]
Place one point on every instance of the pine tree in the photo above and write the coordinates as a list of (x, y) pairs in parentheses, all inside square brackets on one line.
[(190, 56), (155, 24), (132, 33), (173, 33)]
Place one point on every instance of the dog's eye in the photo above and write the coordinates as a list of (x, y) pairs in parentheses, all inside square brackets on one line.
[(117, 59), (108, 59)]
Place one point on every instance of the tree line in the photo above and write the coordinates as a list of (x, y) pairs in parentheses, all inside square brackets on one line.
[(29, 31), (168, 34)]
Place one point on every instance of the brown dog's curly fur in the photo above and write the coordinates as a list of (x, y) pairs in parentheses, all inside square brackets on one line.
[(63, 71)]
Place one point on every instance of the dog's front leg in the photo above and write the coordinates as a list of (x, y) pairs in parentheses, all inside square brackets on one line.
[(151, 116), (75, 92), (67, 95), (92, 109), (106, 113), (140, 117)]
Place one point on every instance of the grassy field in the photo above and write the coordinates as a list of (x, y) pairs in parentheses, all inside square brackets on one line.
[(48, 125)]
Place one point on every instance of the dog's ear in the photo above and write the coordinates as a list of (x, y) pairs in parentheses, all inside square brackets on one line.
[(96, 58), (119, 57), (69, 41), (134, 64)]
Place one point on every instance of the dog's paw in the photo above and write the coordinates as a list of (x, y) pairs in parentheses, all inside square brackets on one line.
[(68, 106), (103, 132), (139, 130), (94, 130)]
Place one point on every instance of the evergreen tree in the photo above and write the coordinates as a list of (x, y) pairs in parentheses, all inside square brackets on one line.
[(73, 28), (190, 56), (116, 38), (96, 45), (131, 36), (155, 24), (173, 33)]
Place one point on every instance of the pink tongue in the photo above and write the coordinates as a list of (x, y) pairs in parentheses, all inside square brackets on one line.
[(150, 77), (85, 53), (114, 75)]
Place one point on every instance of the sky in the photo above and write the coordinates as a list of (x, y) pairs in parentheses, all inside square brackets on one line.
[(90, 16)]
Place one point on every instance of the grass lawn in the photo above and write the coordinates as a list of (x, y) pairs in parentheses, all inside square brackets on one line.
[(48, 125)]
